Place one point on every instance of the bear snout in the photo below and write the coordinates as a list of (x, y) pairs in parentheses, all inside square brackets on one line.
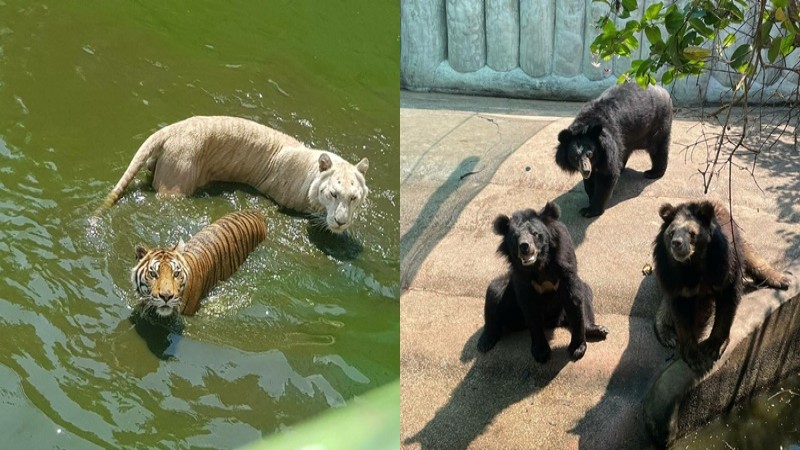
[(585, 167), (680, 250), (527, 253)]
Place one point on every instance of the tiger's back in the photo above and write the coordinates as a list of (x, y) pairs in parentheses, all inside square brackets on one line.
[(218, 250)]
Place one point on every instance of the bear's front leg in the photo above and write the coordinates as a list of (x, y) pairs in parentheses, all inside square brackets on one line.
[(663, 325), (570, 295), (603, 187)]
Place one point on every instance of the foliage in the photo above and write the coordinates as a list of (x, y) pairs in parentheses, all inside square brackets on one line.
[(698, 34)]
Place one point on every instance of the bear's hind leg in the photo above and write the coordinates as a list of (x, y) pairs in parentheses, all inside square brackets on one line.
[(497, 293), (659, 156)]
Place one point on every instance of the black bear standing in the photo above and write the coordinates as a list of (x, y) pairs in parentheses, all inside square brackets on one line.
[(700, 257), (542, 289), (607, 130)]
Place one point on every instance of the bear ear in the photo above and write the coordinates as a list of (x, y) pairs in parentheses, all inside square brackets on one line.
[(594, 131), (705, 212), (501, 225), (550, 211), (141, 250), (667, 212), (565, 136)]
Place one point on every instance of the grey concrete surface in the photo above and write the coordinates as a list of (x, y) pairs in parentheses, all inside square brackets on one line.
[(464, 160)]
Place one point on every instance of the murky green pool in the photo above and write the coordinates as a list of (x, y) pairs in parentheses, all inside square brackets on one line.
[(770, 420), (308, 323)]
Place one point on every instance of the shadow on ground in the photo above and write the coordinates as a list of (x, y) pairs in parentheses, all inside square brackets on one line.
[(630, 185), (616, 420), (498, 379), (418, 242)]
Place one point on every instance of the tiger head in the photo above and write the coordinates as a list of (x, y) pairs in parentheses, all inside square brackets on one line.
[(340, 189), (160, 279)]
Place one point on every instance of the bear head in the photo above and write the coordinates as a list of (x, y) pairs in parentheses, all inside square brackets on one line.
[(687, 229), (578, 152), (526, 237)]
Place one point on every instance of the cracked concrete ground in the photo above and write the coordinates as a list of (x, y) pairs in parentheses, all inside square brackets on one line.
[(464, 160)]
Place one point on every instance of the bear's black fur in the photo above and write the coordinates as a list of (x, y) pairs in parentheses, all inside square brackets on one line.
[(542, 289), (700, 258), (605, 133)]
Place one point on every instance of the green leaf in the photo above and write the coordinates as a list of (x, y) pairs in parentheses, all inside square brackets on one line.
[(741, 56), (701, 28), (766, 27), (673, 20), (741, 51), (632, 25), (609, 28), (696, 53), (737, 16), (652, 11), (632, 42), (629, 5), (774, 50), (779, 3), (729, 40), (653, 34), (668, 76), (787, 44)]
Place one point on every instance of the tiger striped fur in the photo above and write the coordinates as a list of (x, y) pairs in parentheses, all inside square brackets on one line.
[(172, 281)]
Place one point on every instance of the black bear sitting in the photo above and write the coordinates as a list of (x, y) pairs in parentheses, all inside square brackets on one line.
[(542, 289), (700, 257), (605, 133)]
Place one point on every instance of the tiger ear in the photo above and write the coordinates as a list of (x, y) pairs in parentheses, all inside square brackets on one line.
[(141, 250), (325, 162), (180, 246), (362, 166)]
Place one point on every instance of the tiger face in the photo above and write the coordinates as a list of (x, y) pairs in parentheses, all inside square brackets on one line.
[(340, 189), (160, 279)]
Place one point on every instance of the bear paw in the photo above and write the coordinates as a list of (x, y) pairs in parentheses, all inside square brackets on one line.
[(596, 333), (665, 335), (589, 212), (541, 354), (486, 342), (701, 359), (653, 175), (576, 351)]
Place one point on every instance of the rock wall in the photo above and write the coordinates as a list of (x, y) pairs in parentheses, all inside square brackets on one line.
[(534, 49)]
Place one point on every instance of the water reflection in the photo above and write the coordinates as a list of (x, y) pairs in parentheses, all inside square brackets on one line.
[(306, 324)]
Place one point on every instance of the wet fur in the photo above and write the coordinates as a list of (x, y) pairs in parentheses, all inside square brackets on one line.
[(210, 256), (605, 133), (709, 281), (524, 297), (187, 155)]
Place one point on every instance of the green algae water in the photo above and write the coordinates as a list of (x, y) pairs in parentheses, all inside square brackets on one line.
[(770, 420), (308, 323)]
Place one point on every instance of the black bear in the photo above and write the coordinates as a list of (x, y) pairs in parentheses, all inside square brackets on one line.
[(542, 289), (699, 258), (607, 130)]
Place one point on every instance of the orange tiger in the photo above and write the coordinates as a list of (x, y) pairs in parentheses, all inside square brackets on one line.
[(172, 281)]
